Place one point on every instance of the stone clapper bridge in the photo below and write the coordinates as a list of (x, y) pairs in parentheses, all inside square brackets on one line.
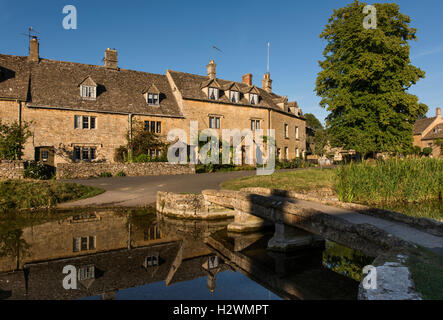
[(303, 221)]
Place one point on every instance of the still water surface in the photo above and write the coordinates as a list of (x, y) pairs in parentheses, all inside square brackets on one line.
[(138, 254)]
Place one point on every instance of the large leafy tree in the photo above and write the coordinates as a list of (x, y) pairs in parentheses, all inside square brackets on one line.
[(365, 77)]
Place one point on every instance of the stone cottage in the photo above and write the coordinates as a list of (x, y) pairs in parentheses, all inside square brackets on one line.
[(428, 131), (82, 112)]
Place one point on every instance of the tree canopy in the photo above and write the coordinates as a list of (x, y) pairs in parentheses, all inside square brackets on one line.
[(365, 77), (312, 121)]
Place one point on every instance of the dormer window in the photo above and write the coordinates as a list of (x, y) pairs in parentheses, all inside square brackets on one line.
[(153, 99), (212, 93), (152, 95), (88, 92), (234, 96), (88, 89), (253, 98)]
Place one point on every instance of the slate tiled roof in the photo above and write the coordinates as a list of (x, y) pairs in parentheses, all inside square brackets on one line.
[(435, 133), (14, 77), (190, 87), (55, 84), (422, 124)]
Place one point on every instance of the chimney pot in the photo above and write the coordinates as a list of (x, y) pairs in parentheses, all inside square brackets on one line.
[(111, 59), (267, 82), (34, 50), (438, 113), (247, 79), (211, 69)]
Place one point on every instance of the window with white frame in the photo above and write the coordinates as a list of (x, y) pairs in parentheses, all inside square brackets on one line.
[(153, 99), (255, 125), (85, 153), (253, 98), (214, 122), (297, 136), (212, 93), (85, 122), (86, 273), (297, 152), (286, 130), (88, 92), (234, 96), (286, 153), (83, 243)]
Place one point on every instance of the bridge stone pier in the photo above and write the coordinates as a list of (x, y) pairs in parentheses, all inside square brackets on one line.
[(287, 213), (288, 238)]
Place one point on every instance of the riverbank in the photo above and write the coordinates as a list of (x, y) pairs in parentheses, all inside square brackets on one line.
[(411, 187), (29, 194)]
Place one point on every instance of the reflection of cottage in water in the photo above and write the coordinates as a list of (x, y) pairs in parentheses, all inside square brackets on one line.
[(110, 252)]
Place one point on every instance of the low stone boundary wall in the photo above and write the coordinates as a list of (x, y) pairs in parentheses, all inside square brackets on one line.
[(89, 170), (12, 169), (189, 206)]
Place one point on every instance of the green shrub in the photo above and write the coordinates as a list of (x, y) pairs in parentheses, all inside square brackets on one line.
[(121, 174), (142, 158), (39, 171), (427, 151), (106, 175), (121, 154)]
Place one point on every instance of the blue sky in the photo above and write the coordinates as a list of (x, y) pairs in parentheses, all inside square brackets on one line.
[(154, 36)]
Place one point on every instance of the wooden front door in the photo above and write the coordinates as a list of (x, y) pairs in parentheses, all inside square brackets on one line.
[(45, 155)]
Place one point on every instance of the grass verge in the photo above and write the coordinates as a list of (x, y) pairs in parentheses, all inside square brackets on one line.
[(27, 194), (427, 272), (300, 180)]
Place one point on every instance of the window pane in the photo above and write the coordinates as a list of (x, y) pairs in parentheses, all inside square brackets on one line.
[(77, 122), (85, 153), (93, 121), (211, 122), (93, 154), (252, 125), (217, 123), (155, 100), (85, 122), (159, 127), (91, 243), (146, 125), (77, 153), (153, 126), (84, 243), (75, 244)]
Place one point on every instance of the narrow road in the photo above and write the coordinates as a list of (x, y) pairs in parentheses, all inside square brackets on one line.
[(142, 191)]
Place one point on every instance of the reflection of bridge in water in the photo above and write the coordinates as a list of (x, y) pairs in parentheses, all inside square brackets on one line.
[(113, 251)]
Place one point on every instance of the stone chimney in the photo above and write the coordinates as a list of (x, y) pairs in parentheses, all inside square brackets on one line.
[(438, 113), (34, 50), (247, 79), (267, 82), (211, 68), (111, 59)]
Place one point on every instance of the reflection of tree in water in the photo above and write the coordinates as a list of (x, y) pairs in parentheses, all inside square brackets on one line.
[(13, 245), (345, 261)]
